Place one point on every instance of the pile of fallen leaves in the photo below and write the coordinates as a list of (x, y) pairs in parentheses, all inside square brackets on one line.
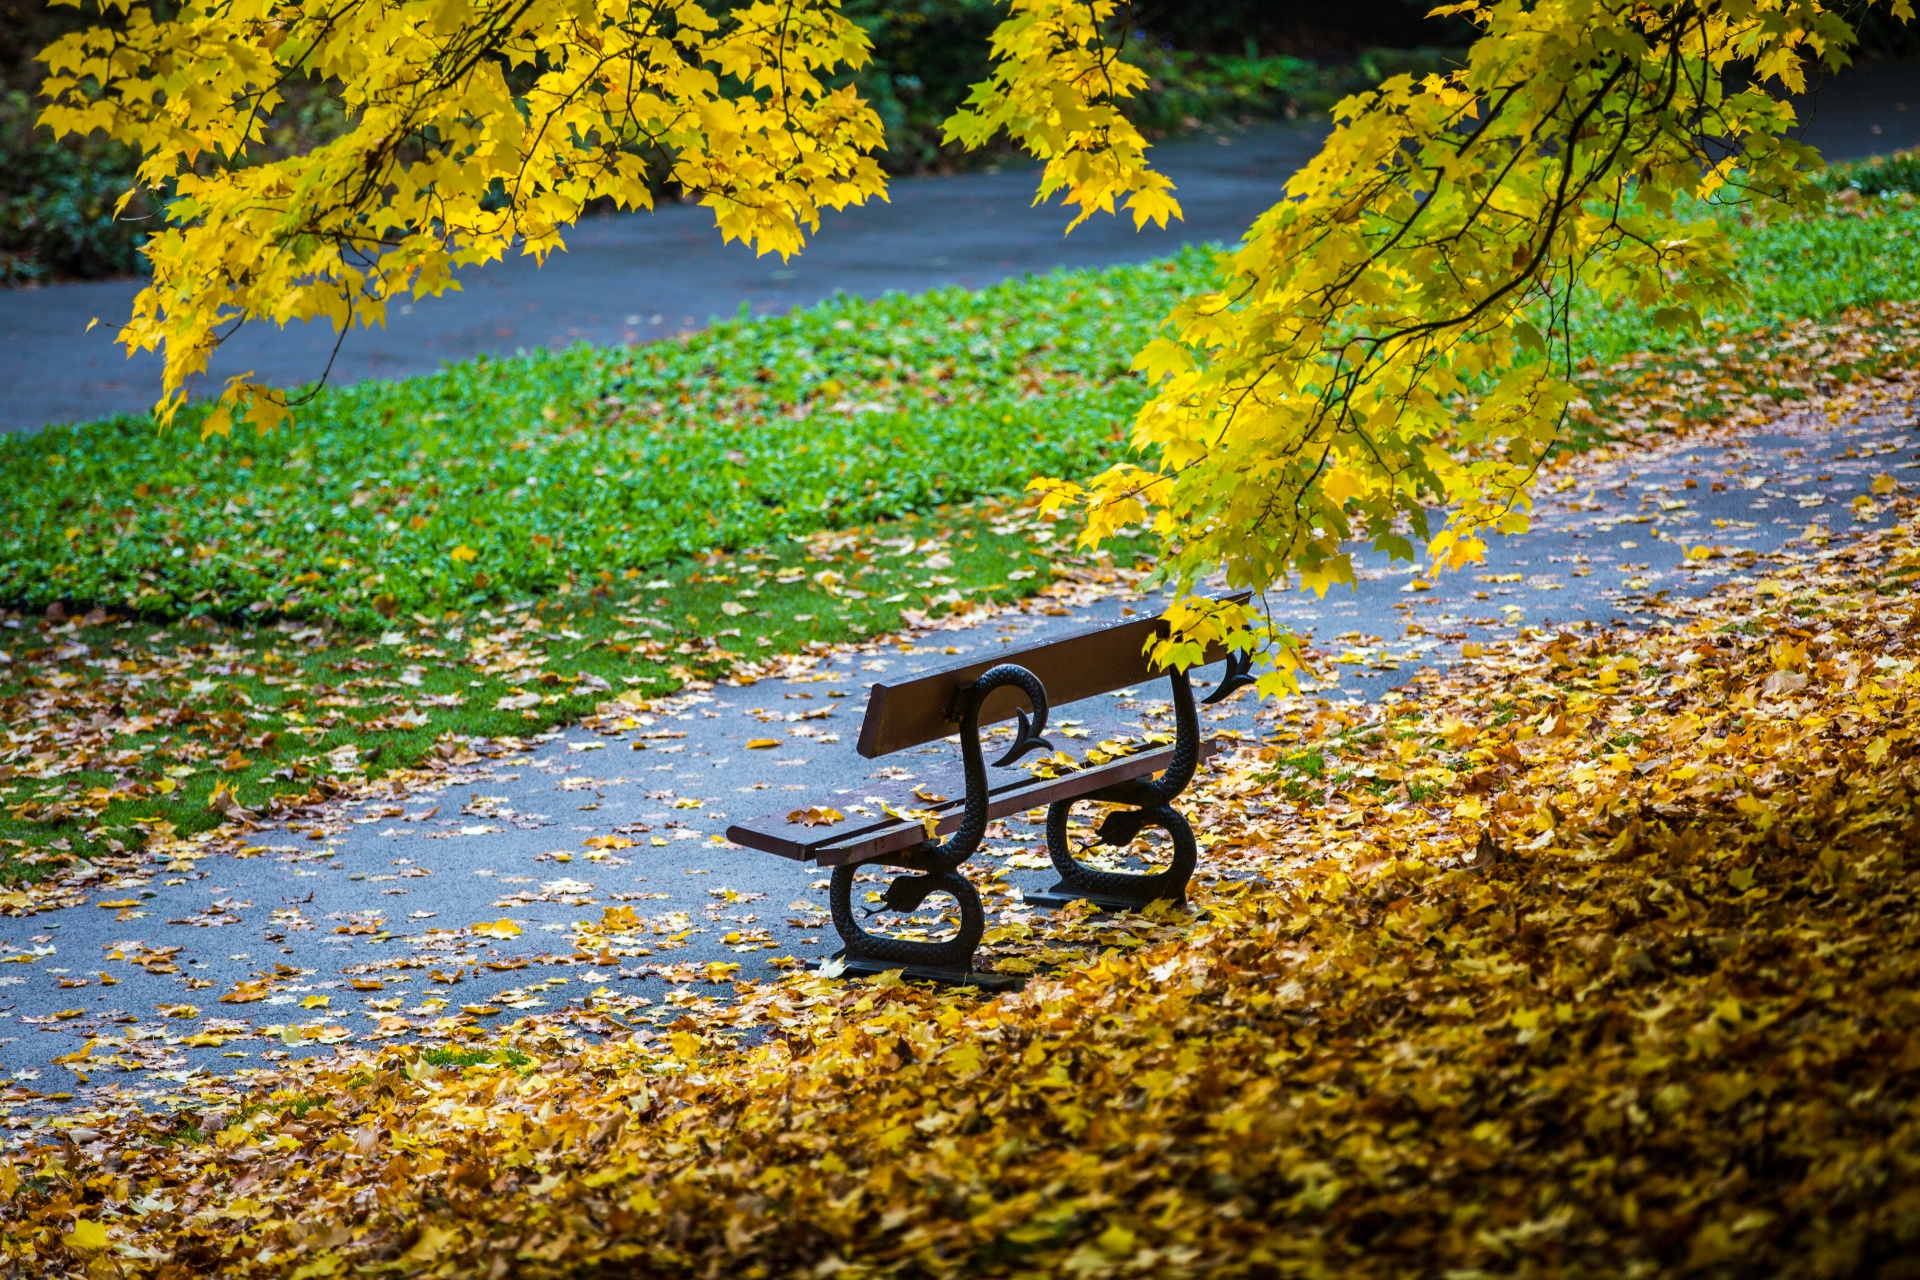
[(1598, 955)]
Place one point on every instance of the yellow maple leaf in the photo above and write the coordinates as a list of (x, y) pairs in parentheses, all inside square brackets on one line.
[(818, 815), (87, 1235)]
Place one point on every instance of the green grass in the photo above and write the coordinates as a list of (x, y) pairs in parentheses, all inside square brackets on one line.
[(1797, 269), (462, 1058), (504, 479), (1893, 176)]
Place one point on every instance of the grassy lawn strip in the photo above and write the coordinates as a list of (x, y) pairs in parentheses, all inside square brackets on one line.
[(506, 479), (502, 480), (1797, 269), (115, 725)]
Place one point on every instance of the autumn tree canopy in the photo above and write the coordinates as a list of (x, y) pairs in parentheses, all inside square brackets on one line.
[(1391, 338)]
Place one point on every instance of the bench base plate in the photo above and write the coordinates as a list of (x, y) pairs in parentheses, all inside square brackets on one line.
[(1060, 896), (929, 973)]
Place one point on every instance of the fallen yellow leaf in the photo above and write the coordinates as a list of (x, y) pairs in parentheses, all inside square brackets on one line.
[(87, 1235), (818, 815)]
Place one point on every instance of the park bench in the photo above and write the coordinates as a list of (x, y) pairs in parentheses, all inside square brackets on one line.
[(932, 827)]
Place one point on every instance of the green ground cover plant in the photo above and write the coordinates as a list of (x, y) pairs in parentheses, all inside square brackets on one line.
[(1807, 268), (1191, 89), (1883, 176), (501, 479), (57, 203)]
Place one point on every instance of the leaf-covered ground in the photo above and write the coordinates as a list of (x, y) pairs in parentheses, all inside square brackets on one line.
[(503, 479), (1629, 988), (116, 728)]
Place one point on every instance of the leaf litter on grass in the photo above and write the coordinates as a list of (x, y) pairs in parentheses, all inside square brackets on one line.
[(118, 727), (1594, 954), (501, 479)]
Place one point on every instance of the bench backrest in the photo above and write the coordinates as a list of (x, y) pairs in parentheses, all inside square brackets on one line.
[(1079, 664)]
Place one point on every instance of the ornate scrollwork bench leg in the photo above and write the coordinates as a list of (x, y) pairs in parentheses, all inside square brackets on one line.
[(1151, 804), (1118, 890), (938, 862), (905, 894)]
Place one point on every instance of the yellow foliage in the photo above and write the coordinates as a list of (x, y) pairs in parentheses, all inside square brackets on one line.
[(477, 129), (1393, 337), (86, 1236), (1057, 87), (1390, 338)]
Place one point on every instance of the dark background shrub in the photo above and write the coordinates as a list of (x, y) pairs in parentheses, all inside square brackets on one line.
[(56, 199)]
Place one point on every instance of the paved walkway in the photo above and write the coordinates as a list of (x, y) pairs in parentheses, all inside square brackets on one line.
[(359, 927), (633, 277)]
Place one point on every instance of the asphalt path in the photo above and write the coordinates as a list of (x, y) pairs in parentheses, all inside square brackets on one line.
[(385, 890), (634, 277), (638, 276)]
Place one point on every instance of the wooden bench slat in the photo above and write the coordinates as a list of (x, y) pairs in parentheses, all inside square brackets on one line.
[(1080, 664), (871, 838)]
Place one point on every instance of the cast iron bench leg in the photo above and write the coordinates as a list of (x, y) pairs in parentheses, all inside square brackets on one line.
[(1152, 806), (905, 894), (938, 863), (1119, 890)]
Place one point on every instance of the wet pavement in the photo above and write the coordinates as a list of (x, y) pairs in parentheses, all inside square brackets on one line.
[(488, 898), (638, 276)]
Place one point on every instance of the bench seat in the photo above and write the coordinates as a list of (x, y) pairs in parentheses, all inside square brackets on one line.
[(862, 839)]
